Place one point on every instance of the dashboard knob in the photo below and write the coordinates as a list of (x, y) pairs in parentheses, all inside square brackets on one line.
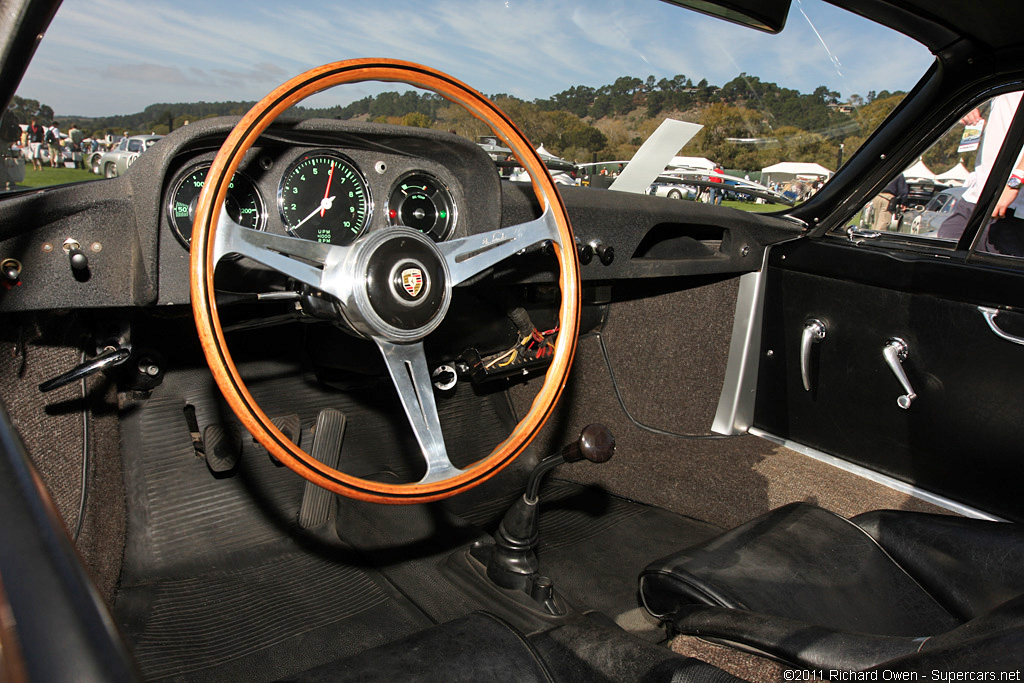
[(605, 253)]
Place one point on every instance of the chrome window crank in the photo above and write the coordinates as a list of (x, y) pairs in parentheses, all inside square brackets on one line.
[(895, 352), (814, 332)]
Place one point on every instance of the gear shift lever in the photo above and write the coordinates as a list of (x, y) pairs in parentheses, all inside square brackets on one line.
[(512, 561)]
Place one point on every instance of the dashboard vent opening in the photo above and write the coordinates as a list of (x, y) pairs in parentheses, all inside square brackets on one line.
[(670, 241)]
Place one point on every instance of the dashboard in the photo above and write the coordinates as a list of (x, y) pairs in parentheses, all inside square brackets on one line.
[(334, 181)]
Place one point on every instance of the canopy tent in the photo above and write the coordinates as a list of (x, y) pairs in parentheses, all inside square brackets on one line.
[(955, 176), (692, 162), (919, 171), (786, 171)]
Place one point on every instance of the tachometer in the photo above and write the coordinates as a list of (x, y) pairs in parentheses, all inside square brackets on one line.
[(244, 203), (324, 198), (422, 202)]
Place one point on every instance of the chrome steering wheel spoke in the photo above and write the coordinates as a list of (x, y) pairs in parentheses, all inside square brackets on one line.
[(310, 263), (472, 255), (407, 366)]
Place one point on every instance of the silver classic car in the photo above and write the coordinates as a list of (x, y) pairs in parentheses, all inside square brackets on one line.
[(115, 162)]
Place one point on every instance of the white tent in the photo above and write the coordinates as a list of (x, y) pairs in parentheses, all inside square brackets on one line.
[(785, 171), (692, 162), (918, 172), (954, 176)]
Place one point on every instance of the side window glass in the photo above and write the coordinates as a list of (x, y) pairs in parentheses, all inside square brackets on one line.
[(134, 146), (935, 196), (1003, 233)]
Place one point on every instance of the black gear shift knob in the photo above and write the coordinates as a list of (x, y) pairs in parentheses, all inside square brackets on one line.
[(595, 444)]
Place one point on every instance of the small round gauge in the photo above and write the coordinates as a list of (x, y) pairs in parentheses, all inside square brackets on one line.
[(324, 198), (422, 202), (243, 204)]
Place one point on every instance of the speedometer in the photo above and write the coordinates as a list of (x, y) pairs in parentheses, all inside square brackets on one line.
[(244, 204), (324, 198)]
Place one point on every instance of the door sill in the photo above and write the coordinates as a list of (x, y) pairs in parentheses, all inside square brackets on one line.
[(877, 477)]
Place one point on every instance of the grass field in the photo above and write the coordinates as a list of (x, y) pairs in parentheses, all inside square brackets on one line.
[(55, 176), (754, 208)]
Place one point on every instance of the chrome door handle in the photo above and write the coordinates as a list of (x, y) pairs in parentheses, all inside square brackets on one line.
[(858, 235), (814, 332), (895, 352), (990, 317)]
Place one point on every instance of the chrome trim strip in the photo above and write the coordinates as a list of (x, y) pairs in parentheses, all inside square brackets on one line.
[(735, 412), (878, 477)]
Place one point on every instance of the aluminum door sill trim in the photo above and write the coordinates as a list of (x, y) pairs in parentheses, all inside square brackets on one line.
[(877, 477)]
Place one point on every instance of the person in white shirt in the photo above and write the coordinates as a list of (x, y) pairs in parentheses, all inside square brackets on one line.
[(1004, 234)]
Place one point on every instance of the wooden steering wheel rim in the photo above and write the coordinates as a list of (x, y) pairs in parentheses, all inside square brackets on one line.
[(204, 305)]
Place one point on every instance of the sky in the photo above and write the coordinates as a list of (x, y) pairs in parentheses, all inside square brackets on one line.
[(107, 57)]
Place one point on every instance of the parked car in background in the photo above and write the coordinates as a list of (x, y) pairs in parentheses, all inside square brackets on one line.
[(935, 212), (115, 162), (673, 190)]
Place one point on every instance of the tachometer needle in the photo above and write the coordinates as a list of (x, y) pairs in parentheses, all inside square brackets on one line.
[(330, 177), (323, 206)]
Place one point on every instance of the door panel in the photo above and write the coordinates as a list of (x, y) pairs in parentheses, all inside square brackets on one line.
[(963, 435)]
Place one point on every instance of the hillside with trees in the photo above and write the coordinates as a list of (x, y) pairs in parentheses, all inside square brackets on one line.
[(748, 123)]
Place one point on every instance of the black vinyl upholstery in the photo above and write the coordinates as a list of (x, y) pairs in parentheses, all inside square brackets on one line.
[(817, 590)]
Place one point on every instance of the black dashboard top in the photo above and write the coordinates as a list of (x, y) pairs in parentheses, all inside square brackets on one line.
[(133, 230)]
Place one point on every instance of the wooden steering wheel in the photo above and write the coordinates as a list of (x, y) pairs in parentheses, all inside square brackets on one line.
[(352, 278)]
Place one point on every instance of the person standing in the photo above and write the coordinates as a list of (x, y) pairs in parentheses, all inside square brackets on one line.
[(75, 137), (52, 139), (35, 144), (888, 201), (715, 194), (1004, 234)]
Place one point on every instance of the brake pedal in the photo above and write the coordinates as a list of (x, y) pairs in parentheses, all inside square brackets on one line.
[(327, 437)]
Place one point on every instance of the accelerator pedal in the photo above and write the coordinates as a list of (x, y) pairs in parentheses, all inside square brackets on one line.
[(223, 446), (327, 436)]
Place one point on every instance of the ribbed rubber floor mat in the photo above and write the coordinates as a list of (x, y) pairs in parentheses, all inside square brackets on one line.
[(219, 583), (260, 621)]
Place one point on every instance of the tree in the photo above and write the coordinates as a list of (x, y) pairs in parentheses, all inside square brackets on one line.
[(417, 119), (24, 110)]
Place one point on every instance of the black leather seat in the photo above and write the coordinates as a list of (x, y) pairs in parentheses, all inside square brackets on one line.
[(820, 591)]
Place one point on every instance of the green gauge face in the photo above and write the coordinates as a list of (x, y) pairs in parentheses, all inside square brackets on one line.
[(324, 198), (243, 204), (420, 201)]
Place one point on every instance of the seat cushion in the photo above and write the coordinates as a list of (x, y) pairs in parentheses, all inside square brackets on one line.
[(798, 562), (969, 565)]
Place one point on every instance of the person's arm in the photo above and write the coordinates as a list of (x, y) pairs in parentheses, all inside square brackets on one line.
[(1011, 189)]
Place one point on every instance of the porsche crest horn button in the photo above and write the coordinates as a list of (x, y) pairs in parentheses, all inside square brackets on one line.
[(412, 281)]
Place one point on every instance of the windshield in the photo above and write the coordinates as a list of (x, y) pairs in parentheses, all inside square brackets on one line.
[(588, 81)]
